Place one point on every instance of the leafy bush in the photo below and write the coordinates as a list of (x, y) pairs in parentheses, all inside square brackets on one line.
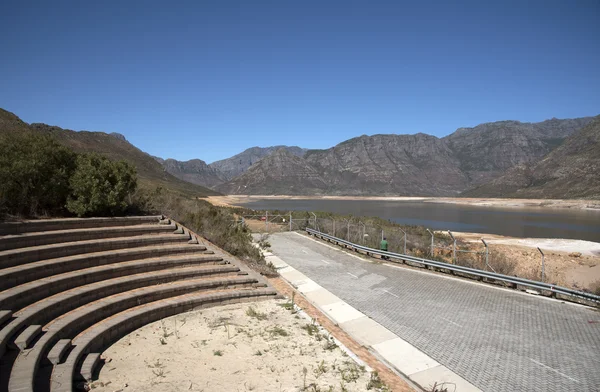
[(101, 187), (34, 174)]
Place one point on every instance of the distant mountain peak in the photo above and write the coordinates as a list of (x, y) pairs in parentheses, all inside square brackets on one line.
[(118, 136), (236, 165)]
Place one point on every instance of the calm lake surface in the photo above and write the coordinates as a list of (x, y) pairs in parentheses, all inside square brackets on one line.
[(517, 222)]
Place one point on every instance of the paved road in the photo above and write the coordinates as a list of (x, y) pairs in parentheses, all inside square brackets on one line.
[(499, 340)]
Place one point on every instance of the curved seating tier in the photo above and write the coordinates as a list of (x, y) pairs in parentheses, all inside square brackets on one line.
[(71, 235), (64, 282), (29, 226), (10, 277), (109, 330)]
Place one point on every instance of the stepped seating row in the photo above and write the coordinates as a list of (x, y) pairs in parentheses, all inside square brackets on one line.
[(71, 287)]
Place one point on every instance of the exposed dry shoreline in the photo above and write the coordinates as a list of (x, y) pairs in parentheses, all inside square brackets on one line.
[(573, 263), (236, 200)]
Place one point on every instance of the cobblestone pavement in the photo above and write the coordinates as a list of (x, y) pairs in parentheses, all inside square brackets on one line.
[(497, 339)]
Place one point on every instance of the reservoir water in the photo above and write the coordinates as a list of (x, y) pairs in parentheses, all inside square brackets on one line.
[(536, 222)]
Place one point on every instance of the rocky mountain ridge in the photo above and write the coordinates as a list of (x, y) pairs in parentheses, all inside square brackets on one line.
[(281, 172), (572, 170), (232, 167), (195, 171), (415, 165)]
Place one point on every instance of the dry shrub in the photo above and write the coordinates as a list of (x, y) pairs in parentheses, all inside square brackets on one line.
[(218, 225), (502, 264), (594, 287)]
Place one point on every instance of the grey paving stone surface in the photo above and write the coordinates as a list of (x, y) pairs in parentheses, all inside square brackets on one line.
[(499, 340)]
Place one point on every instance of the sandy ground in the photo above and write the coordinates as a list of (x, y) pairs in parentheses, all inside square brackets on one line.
[(225, 349), (587, 248), (570, 263), (236, 200)]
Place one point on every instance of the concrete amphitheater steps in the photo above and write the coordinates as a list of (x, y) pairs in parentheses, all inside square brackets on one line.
[(18, 297), (28, 226), (61, 278), (53, 306), (13, 257), (25, 240), (14, 276), (69, 325), (102, 334)]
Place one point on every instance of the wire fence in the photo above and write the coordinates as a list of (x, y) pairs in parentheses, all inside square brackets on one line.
[(409, 240)]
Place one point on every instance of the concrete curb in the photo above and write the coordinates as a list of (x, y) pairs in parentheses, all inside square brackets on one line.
[(413, 364)]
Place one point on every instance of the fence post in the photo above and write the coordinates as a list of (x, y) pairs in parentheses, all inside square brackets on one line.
[(333, 227), (404, 240), (315, 221), (543, 264), (487, 253), (431, 241), (290, 221), (453, 247), (267, 220)]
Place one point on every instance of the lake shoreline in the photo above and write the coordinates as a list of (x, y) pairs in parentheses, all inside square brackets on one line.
[(236, 200)]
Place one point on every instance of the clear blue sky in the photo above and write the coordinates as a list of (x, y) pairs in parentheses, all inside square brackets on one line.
[(207, 79)]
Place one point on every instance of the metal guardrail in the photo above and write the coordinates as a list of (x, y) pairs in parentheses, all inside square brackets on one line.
[(553, 289)]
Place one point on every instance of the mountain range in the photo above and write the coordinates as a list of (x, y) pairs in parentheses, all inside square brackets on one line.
[(549, 159), (470, 161)]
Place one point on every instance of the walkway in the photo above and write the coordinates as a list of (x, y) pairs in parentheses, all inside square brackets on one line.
[(499, 340)]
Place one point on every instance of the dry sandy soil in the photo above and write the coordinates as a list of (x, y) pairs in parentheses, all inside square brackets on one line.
[(228, 349), (570, 263), (233, 200)]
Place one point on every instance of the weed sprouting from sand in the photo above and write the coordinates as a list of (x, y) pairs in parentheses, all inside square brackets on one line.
[(252, 312), (330, 344), (311, 329), (320, 369), (442, 387), (376, 384), (304, 373), (160, 373), (287, 305), (217, 353), (278, 331), (350, 372), (165, 331)]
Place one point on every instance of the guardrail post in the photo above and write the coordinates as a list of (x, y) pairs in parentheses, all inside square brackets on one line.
[(453, 247), (543, 264), (430, 232)]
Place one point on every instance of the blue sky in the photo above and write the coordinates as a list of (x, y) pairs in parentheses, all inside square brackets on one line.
[(208, 79)]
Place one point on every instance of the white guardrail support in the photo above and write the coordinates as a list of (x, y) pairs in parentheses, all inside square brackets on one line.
[(479, 274)]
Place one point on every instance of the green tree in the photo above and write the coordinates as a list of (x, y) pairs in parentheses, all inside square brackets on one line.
[(34, 174), (101, 187)]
